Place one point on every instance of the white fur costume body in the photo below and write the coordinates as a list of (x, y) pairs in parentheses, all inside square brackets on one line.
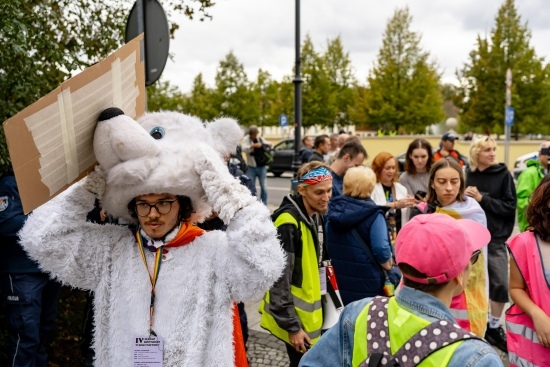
[(197, 286)]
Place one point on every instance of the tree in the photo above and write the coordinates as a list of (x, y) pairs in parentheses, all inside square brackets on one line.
[(482, 88), (403, 85), (317, 106), (232, 96), (339, 71), (200, 102), (163, 96), (44, 42)]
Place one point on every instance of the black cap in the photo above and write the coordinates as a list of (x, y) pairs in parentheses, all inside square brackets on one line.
[(449, 136)]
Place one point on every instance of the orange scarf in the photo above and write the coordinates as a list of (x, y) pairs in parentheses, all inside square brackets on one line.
[(187, 233)]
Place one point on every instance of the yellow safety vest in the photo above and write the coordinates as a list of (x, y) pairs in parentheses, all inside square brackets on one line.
[(307, 298), (402, 326)]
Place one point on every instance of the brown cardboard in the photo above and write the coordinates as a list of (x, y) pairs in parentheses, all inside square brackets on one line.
[(51, 141)]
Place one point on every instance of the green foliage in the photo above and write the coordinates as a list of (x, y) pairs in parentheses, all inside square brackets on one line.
[(482, 88), (200, 102), (327, 84), (232, 95), (163, 96), (403, 85)]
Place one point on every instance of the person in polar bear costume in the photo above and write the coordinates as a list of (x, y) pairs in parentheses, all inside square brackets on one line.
[(164, 172)]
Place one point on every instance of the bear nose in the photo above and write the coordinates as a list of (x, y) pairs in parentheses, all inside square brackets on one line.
[(109, 113)]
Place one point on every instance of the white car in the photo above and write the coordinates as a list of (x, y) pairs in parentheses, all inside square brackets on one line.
[(519, 164)]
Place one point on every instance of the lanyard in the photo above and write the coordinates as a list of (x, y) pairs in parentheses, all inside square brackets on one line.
[(153, 278)]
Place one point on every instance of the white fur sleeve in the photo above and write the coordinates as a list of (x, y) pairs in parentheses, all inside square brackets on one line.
[(254, 258), (224, 193), (59, 238)]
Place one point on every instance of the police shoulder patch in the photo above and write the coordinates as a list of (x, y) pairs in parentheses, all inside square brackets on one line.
[(3, 203)]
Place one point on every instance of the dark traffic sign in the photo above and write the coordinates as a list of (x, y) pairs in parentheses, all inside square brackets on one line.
[(157, 36)]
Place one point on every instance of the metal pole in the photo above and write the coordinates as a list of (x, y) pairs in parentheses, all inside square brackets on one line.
[(296, 162), (140, 8), (506, 126)]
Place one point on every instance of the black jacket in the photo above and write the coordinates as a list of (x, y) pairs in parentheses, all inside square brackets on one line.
[(281, 305), (499, 199), (316, 157)]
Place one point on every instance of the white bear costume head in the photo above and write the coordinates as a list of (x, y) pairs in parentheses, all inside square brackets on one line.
[(157, 154)]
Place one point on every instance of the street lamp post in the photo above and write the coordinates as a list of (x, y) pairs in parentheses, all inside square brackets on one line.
[(296, 162), (507, 122)]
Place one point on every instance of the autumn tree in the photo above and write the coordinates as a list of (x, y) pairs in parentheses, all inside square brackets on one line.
[(482, 80), (403, 84)]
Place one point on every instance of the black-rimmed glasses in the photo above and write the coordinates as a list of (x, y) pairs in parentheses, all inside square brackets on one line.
[(162, 207)]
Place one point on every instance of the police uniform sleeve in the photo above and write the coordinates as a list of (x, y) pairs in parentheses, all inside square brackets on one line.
[(12, 218)]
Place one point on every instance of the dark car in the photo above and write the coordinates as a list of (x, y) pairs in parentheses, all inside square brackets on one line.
[(283, 154)]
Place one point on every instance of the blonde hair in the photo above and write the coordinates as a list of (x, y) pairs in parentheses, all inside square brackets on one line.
[(359, 182), (478, 144)]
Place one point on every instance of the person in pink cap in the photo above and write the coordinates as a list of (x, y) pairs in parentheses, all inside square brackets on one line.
[(435, 253)]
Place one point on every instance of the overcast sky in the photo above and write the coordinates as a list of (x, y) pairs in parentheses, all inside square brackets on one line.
[(261, 33)]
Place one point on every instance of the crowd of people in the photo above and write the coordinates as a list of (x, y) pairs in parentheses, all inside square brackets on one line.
[(435, 236), (425, 260)]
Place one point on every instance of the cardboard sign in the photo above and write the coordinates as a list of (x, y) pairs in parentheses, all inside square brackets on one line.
[(51, 141)]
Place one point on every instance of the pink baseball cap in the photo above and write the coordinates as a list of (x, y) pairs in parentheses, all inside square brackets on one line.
[(439, 246)]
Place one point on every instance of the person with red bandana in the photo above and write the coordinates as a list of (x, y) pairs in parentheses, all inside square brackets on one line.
[(291, 309)]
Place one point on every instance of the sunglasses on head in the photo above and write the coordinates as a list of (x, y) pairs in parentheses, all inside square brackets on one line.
[(474, 257)]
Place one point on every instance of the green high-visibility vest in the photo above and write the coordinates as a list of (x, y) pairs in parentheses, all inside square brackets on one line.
[(402, 325), (307, 298)]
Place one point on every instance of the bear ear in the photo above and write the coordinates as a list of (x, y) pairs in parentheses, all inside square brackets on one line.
[(226, 135)]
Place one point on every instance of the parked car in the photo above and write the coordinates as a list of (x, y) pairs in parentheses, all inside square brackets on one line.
[(520, 163), (283, 154)]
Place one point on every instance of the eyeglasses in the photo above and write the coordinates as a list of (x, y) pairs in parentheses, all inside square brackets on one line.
[(474, 257), (162, 207)]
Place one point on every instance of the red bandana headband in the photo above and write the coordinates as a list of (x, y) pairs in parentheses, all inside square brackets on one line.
[(314, 177)]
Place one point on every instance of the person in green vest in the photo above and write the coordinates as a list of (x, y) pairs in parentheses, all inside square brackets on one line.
[(291, 308), (435, 254), (528, 181)]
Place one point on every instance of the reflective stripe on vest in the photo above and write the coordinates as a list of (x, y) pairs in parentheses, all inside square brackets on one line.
[(400, 333), (307, 298), (523, 343)]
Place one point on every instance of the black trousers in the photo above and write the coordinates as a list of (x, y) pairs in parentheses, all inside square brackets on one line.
[(293, 356)]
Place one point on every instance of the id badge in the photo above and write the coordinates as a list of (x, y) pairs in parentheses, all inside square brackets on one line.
[(323, 279), (147, 351)]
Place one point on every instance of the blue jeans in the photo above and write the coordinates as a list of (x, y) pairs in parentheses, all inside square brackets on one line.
[(261, 173), (31, 306)]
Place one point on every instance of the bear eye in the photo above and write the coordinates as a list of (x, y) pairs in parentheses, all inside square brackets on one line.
[(157, 133)]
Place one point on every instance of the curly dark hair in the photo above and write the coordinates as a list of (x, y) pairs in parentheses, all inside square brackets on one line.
[(186, 208), (538, 211)]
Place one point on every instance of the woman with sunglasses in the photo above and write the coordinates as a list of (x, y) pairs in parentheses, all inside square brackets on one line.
[(528, 320), (446, 196), (492, 186)]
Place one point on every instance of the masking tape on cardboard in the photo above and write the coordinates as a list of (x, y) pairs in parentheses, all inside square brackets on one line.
[(116, 72), (68, 134)]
